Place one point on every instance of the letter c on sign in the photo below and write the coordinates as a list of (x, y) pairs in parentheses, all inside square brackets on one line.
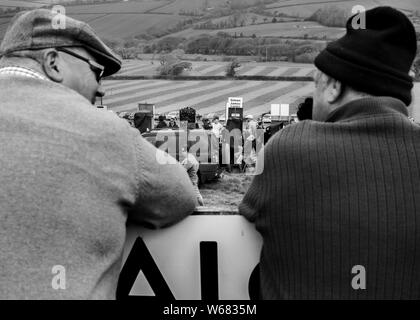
[(254, 284)]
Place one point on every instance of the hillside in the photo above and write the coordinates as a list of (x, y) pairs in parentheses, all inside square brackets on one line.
[(304, 8), (139, 25), (125, 19), (128, 25), (121, 19), (22, 4)]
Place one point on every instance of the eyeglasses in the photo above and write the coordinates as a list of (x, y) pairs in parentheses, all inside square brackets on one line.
[(95, 67)]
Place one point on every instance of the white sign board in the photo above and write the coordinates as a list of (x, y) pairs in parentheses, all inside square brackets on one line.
[(275, 110), (235, 102), (284, 110), (176, 252)]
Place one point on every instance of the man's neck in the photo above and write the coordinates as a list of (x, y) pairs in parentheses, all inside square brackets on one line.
[(348, 98)]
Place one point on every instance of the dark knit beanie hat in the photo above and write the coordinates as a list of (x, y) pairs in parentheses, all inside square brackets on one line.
[(375, 60)]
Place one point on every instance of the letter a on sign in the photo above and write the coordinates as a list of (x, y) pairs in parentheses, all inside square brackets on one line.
[(359, 280), (359, 20), (59, 280), (59, 20), (141, 259)]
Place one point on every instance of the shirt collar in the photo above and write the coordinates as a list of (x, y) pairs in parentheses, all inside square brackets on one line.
[(23, 72)]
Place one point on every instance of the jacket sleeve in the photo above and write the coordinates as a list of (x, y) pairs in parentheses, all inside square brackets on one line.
[(257, 196), (252, 202), (165, 192)]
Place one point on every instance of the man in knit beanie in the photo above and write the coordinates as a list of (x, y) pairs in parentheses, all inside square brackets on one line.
[(338, 202), (375, 61)]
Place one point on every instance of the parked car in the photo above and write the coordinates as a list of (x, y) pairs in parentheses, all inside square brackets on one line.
[(209, 146)]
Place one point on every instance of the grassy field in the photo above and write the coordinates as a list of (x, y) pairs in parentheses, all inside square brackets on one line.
[(118, 7), (227, 192), (22, 4), (128, 19), (125, 19), (305, 8), (4, 22), (128, 25), (177, 5), (406, 5), (121, 19), (217, 68)]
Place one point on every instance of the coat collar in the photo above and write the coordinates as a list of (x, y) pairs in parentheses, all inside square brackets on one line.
[(22, 71), (366, 107)]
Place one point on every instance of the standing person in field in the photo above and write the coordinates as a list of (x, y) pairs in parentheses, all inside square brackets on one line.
[(251, 125), (161, 124), (192, 166), (251, 139), (304, 111), (71, 174), (217, 127), (338, 202), (142, 121), (172, 124), (206, 124)]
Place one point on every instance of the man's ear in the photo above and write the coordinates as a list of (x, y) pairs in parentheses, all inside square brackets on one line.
[(53, 65), (334, 90)]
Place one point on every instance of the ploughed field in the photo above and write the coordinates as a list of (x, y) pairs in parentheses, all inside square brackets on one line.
[(204, 96), (208, 96), (216, 68)]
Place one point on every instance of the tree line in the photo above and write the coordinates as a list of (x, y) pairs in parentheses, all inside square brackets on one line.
[(236, 20), (267, 48), (330, 16)]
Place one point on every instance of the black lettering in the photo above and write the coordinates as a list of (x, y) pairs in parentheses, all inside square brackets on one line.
[(141, 259), (209, 270)]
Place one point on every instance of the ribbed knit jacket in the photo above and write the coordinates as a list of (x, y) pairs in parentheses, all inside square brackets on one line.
[(337, 194)]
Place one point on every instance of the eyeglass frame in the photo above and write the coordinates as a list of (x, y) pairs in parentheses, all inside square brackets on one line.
[(94, 66)]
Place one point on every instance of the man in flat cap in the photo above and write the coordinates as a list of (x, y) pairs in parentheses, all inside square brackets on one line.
[(70, 174), (338, 202)]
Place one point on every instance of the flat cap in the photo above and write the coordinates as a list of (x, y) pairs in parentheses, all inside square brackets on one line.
[(37, 29)]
